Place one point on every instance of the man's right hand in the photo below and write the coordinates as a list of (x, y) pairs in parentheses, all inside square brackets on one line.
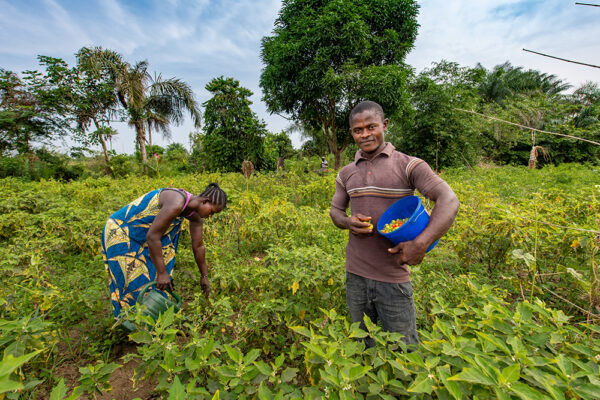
[(360, 225)]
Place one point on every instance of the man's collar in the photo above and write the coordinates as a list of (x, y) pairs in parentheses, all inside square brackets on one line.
[(387, 150)]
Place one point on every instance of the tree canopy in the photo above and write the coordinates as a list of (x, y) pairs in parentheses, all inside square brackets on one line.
[(326, 56), (232, 132), (149, 102)]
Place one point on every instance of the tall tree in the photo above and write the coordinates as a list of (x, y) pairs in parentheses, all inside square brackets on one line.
[(232, 132), (435, 131), (26, 115), (148, 102), (98, 103), (325, 56), (277, 147)]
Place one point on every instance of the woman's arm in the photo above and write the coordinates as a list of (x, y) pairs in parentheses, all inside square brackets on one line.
[(171, 204), (196, 226)]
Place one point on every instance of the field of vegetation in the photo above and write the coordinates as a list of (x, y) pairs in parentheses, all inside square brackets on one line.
[(508, 302)]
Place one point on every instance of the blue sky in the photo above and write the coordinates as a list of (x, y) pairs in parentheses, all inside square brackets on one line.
[(199, 40)]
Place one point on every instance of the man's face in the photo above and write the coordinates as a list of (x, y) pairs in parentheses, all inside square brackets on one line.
[(367, 129)]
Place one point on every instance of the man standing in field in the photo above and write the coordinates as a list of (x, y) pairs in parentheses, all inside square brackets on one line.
[(377, 274)]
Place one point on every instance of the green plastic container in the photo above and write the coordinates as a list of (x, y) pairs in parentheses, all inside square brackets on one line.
[(155, 302)]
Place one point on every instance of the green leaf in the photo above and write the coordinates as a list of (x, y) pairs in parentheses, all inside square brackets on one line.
[(108, 369), (227, 371), (432, 362), (415, 358), (588, 391), (488, 369), (59, 391), (511, 373), (495, 342), (452, 387), (264, 393), (251, 356), (358, 372), (6, 385), (208, 347), (31, 384), (375, 388), (141, 337), (177, 391), (524, 311), (279, 361), (315, 349), (585, 350), (548, 382), (166, 318), (193, 364), (592, 327), (10, 363), (234, 353), (526, 392), (444, 328), (520, 254), (358, 333), (564, 364), (263, 368), (422, 384), (76, 393), (288, 374), (501, 395), (472, 375)]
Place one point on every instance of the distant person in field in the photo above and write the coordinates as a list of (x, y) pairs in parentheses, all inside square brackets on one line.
[(139, 242), (324, 164), (324, 167), (377, 273)]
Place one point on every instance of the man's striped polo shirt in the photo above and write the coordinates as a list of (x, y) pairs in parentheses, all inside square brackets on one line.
[(369, 187)]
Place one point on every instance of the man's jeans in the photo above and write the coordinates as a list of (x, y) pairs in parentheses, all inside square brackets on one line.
[(391, 303)]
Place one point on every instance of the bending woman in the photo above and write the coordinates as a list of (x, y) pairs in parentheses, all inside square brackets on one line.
[(139, 242)]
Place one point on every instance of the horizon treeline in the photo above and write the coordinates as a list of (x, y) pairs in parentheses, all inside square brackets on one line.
[(453, 116)]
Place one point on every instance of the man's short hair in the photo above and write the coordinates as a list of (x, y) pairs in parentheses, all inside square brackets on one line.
[(366, 105)]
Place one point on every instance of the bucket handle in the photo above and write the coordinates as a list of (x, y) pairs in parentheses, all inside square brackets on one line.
[(413, 220), (147, 285)]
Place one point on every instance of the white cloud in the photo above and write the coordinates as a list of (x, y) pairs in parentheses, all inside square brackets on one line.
[(492, 32)]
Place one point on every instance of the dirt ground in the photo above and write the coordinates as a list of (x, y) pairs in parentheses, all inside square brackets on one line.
[(120, 380)]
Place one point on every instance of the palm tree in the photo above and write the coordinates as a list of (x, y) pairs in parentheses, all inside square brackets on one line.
[(99, 103), (504, 81), (155, 102), (149, 103)]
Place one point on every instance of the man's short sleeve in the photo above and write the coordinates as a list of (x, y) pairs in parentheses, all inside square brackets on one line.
[(340, 198), (422, 177)]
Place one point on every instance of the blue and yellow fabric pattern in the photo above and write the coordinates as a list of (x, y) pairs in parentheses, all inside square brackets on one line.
[(125, 250)]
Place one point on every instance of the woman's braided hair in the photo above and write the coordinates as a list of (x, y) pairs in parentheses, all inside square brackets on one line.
[(215, 194)]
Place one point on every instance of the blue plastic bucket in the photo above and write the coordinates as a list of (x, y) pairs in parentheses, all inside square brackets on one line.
[(407, 207)]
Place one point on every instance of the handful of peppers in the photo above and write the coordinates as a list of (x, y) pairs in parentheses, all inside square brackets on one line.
[(392, 226)]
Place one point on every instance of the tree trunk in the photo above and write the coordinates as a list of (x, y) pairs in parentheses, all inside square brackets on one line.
[(149, 136), (337, 149), (338, 159), (141, 139), (109, 170), (104, 150)]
